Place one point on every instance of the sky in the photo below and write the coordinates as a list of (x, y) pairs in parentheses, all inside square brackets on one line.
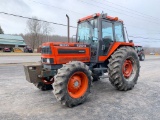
[(141, 17)]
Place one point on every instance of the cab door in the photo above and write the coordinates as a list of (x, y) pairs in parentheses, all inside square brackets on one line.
[(119, 32), (106, 37)]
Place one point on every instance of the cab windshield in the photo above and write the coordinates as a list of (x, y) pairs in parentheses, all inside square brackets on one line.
[(88, 32)]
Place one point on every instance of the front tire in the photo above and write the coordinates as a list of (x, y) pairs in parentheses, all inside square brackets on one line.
[(123, 68), (43, 87), (46, 84), (72, 83)]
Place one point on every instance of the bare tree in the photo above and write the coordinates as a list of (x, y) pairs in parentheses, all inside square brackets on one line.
[(38, 32), (34, 28), (46, 30)]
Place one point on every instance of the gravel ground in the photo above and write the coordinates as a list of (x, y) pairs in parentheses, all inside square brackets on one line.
[(20, 100), (34, 57)]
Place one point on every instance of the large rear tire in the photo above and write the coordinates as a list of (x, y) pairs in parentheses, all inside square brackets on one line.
[(142, 57), (72, 83), (123, 68)]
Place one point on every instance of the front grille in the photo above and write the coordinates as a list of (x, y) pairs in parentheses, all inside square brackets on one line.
[(44, 60), (46, 50)]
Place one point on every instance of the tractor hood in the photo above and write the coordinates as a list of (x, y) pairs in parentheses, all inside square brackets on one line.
[(65, 44), (63, 52)]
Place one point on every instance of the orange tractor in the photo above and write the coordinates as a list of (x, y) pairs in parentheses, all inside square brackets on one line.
[(71, 67)]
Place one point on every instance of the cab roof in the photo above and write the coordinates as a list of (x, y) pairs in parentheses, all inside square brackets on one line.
[(97, 15)]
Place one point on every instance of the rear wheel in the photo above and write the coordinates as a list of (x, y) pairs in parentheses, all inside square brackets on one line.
[(142, 57), (123, 68), (72, 83)]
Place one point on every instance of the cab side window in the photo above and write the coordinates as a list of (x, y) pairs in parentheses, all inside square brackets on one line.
[(119, 32), (107, 35), (107, 31)]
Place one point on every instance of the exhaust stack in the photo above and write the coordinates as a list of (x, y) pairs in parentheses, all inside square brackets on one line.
[(68, 28)]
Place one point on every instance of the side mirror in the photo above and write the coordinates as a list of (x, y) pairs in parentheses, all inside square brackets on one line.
[(130, 41)]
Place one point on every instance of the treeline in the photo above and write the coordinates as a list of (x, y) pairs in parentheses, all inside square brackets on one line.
[(149, 50), (28, 39), (39, 32)]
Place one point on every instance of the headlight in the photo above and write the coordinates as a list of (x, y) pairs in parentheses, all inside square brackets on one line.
[(48, 60)]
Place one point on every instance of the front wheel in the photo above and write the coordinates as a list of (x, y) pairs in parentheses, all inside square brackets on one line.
[(45, 85), (72, 83), (123, 68)]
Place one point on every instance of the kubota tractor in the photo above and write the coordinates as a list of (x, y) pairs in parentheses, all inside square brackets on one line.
[(71, 67)]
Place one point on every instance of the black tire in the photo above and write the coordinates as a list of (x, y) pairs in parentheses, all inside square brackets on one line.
[(43, 86), (61, 81), (142, 57), (115, 72), (96, 76)]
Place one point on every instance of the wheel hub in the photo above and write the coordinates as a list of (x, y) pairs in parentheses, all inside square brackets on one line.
[(127, 68), (77, 85)]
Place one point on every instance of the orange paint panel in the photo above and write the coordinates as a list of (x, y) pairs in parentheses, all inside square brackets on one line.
[(60, 55), (61, 58), (88, 17), (114, 18), (113, 48), (66, 59)]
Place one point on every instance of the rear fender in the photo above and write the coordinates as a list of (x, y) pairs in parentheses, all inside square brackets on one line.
[(113, 48)]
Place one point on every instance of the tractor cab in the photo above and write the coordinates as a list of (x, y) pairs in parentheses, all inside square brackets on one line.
[(100, 32)]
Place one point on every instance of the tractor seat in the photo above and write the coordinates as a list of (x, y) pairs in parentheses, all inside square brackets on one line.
[(107, 40)]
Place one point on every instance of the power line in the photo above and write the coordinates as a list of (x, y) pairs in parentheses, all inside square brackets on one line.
[(132, 10), (55, 7), (64, 9), (34, 19), (63, 24), (71, 10), (143, 37), (139, 28), (149, 34), (74, 11), (133, 17), (122, 9)]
